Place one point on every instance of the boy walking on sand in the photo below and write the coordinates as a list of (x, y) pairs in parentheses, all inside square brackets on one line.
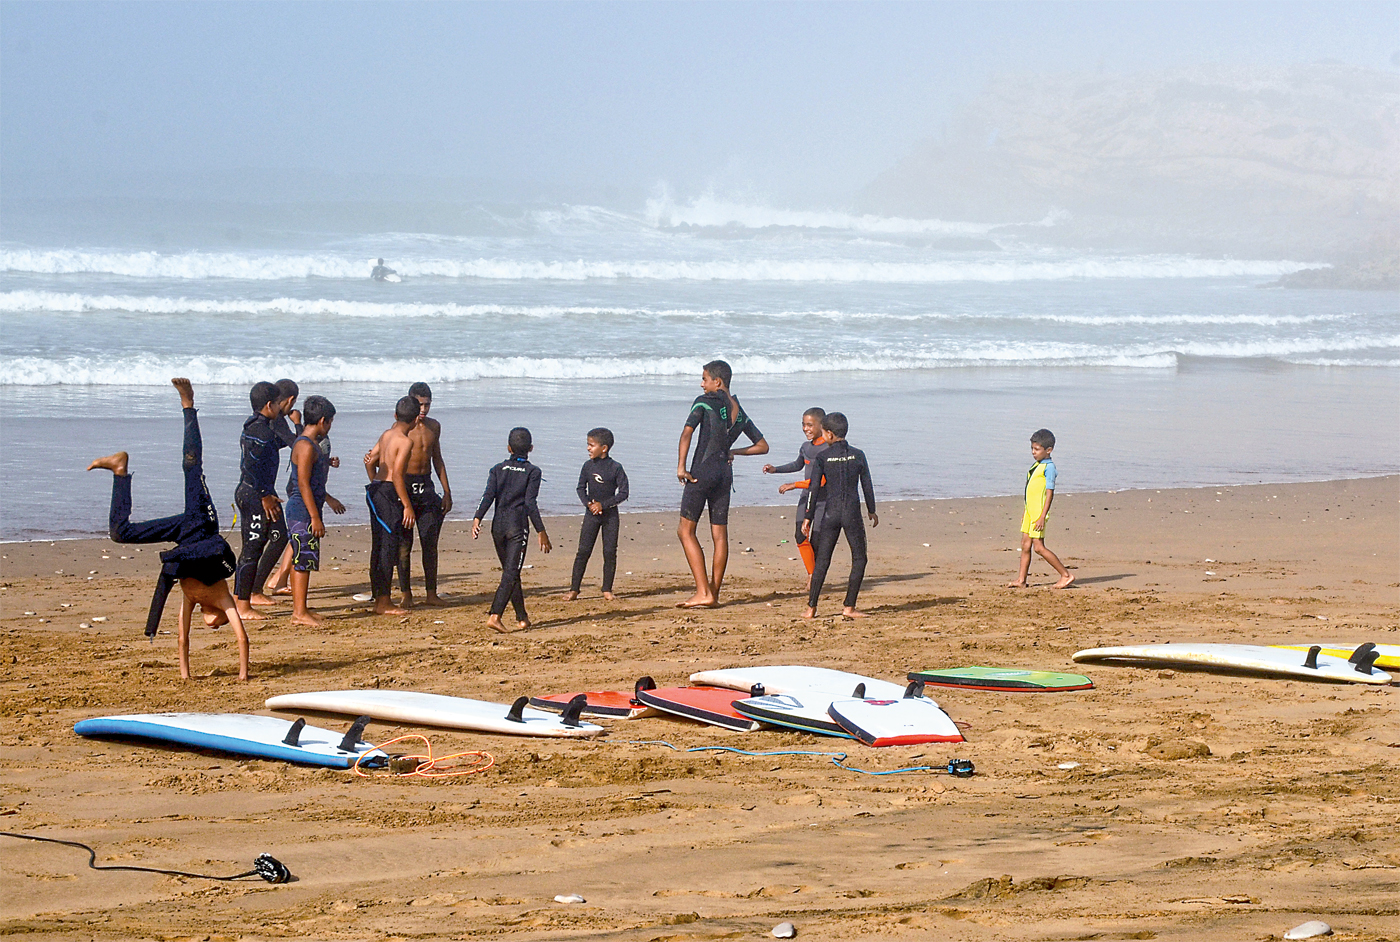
[(201, 560), (814, 445), (306, 495), (1040, 492), (720, 420), (839, 476), (391, 516), (602, 486), (514, 487), (424, 457)]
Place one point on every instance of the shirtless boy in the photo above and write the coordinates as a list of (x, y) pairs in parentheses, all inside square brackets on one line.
[(391, 515), (424, 457)]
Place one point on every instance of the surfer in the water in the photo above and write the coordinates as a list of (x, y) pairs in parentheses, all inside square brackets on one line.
[(721, 420), (381, 271), (1040, 493), (513, 486), (391, 516), (813, 446), (201, 561), (839, 476), (424, 457)]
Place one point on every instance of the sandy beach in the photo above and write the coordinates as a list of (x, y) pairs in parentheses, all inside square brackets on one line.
[(1284, 810)]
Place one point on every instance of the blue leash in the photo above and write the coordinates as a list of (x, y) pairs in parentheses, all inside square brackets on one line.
[(961, 768)]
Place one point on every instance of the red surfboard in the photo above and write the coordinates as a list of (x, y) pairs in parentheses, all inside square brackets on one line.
[(713, 705), (616, 703)]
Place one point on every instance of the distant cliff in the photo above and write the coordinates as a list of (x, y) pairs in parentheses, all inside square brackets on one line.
[(1301, 162)]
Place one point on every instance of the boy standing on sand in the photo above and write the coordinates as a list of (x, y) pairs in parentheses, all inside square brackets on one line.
[(1040, 492), (424, 457), (838, 478), (721, 420), (264, 434), (513, 486), (201, 560), (306, 495), (602, 486), (391, 516), (814, 445)]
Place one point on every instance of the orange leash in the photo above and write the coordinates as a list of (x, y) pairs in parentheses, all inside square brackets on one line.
[(430, 766)]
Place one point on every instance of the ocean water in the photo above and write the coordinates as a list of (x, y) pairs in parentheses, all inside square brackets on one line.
[(947, 344)]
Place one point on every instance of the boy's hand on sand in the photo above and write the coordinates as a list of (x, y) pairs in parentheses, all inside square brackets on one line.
[(874, 520), (272, 507), (334, 504), (545, 545), (476, 528)]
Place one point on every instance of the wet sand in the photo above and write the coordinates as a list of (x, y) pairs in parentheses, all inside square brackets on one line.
[(1290, 816)]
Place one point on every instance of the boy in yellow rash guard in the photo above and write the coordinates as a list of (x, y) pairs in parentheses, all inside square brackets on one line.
[(1040, 493)]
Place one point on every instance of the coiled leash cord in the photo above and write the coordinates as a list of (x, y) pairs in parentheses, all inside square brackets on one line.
[(266, 866), (961, 768), (426, 766)]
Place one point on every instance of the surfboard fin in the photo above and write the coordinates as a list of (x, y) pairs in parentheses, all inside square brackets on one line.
[(859, 692), (517, 710), (353, 734), (1313, 652), (644, 683), (294, 734), (573, 710), (1367, 661), (758, 690), (914, 690), (1361, 652)]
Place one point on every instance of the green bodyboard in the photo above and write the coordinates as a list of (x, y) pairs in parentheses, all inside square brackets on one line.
[(1003, 678)]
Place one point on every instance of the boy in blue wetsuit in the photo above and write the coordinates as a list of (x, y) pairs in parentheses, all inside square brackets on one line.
[(514, 487), (201, 561), (306, 495), (813, 446), (720, 420), (1040, 493), (839, 477), (602, 486)]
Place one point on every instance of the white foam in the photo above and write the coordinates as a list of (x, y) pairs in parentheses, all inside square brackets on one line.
[(710, 210)]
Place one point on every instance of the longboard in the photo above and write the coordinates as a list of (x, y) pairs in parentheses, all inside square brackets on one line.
[(243, 734), (1002, 678), (431, 709), (612, 703), (797, 679), (713, 705), (1389, 658), (904, 722), (1243, 657)]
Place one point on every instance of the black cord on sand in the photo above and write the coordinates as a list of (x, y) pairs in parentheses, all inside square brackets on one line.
[(266, 866)]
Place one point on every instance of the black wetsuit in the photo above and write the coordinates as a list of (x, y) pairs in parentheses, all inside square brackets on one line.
[(717, 431), (263, 538), (200, 552), (603, 480), (805, 456), (427, 507), (387, 536), (514, 487), (838, 478)]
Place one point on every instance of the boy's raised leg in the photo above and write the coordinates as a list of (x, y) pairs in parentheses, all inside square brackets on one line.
[(704, 596)]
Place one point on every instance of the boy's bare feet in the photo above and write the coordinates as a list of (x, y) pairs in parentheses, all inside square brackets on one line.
[(115, 463), (522, 625), (699, 601), (283, 590), (1065, 581), (434, 601), (608, 597), (495, 624), (1016, 585), (257, 598), (308, 618), (386, 607), (809, 612), (850, 611), (186, 390), (246, 612), (570, 596)]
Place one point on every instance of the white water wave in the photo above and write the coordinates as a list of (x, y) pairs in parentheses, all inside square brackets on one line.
[(210, 265)]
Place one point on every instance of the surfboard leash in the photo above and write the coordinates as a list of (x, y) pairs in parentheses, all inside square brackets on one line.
[(265, 865), (960, 768), (425, 766)]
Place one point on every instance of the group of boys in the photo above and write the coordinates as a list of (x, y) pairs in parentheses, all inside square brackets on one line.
[(401, 497)]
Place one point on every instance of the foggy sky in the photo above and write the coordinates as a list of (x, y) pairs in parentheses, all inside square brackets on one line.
[(801, 103)]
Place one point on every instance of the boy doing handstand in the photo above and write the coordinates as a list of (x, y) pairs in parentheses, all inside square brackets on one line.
[(201, 560), (602, 486), (514, 487), (838, 478), (1040, 492)]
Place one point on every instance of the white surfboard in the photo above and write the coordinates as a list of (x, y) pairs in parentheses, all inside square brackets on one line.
[(1241, 657), (244, 734), (1388, 654), (798, 679), (904, 722), (431, 709), (805, 711)]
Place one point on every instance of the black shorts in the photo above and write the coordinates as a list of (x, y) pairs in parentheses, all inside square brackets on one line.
[(711, 488)]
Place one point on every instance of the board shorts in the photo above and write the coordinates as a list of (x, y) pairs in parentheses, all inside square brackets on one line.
[(1028, 520), (712, 488), (306, 548)]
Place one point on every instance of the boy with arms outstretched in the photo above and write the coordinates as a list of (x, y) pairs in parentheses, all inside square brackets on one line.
[(720, 419), (839, 476), (602, 486), (201, 561), (306, 495), (514, 487), (391, 516), (813, 446), (1040, 492)]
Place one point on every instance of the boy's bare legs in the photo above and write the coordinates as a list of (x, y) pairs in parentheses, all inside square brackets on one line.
[(1066, 578), (301, 585), (1020, 582), (704, 596), (720, 536), (277, 582), (217, 601), (115, 463)]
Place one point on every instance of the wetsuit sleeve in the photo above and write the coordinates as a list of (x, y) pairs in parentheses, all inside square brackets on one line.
[(697, 415), (1049, 475), (749, 429), (532, 493), (254, 453), (816, 493), (866, 485), (621, 492), (282, 430), (488, 497), (791, 467), (583, 484)]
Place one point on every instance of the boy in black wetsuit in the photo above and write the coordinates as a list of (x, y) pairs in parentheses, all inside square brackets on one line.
[(838, 478), (424, 458), (513, 486), (602, 486), (265, 433), (814, 445), (201, 561), (721, 420)]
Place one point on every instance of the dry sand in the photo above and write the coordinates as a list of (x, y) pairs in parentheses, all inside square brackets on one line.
[(1291, 816)]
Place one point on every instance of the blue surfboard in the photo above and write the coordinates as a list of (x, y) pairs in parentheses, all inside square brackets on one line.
[(243, 734)]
